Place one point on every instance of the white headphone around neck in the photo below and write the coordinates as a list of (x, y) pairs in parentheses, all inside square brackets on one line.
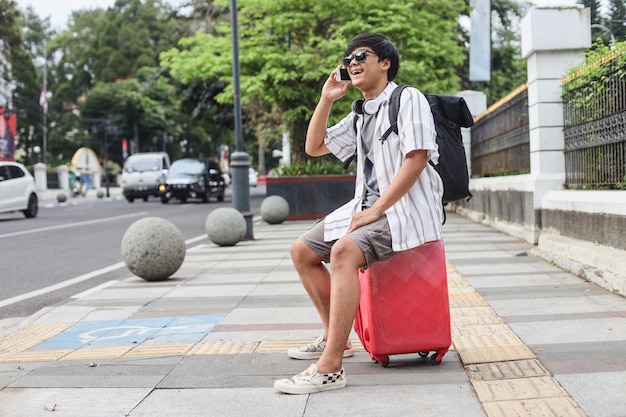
[(369, 106)]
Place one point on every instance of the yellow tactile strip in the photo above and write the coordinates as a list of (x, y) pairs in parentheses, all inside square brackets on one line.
[(280, 346), (505, 374), (29, 336), (545, 407), (146, 350), (223, 348)]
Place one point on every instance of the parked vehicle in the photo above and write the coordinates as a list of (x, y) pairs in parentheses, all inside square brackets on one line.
[(142, 174), (17, 190), (193, 178)]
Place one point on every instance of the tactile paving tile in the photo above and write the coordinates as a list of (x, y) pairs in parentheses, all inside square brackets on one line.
[(28, 337), (462, 318), (223, 348), (469, 299), (50, 355), (281, 346), (491, 348), (544, 407), (173, 349), (518, 389), (507, 370)]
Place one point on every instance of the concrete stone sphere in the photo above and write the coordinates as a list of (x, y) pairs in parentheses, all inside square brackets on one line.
[(274, 209), (61, 197), (225, 226), (100, 194), (153, 248)]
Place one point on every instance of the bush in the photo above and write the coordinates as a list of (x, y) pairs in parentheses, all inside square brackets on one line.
[(320, 166)]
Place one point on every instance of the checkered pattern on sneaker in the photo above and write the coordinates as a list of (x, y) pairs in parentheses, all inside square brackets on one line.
[(310, 381), (315, 350), (333, 377)]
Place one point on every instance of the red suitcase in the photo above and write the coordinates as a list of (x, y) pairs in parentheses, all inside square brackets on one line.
[(404, 306)]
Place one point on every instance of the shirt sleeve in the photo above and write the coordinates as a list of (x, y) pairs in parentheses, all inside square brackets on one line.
[(341, 138)]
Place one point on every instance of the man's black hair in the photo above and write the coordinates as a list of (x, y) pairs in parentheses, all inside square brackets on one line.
[(381, 46)]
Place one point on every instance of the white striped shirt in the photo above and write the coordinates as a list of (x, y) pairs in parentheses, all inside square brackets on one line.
[(417, 216)]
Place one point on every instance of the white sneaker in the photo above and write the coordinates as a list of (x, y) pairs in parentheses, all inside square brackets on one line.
[(310, 381), (315, 350)]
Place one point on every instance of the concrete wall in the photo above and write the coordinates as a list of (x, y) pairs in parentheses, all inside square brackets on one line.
[(580, 231)]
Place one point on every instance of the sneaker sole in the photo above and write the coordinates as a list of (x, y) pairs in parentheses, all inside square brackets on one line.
[(287, 387), (296, 354)]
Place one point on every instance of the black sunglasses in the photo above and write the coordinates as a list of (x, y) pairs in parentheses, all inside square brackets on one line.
[(359, 56)]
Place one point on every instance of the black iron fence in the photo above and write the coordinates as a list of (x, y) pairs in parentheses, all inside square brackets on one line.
[(500, 138), (595, 126)]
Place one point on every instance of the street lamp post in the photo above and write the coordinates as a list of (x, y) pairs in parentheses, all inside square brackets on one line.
[(108, 130), (239, 160)]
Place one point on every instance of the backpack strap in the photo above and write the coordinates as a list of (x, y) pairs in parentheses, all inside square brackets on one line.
[(394, 108)]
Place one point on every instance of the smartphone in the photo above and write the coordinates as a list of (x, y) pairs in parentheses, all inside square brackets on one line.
[(341, 74)]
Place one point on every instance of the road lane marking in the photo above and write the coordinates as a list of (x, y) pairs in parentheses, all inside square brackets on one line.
[(70, 225), (79, 279), (61, 285), (94, 289)]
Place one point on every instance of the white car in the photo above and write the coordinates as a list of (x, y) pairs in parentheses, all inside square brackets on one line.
[(17, 189)]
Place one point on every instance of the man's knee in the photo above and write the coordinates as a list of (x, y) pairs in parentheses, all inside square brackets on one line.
[(301, 253), (346, 251)]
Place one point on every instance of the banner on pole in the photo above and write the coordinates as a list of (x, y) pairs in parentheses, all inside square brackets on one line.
[(480, 41), (44, 97), (7, 135)]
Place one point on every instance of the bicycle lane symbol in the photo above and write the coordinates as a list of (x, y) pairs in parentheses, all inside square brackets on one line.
[(134, 334), (109, 333)]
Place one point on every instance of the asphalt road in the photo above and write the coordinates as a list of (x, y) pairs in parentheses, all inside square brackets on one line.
[(71, 248)]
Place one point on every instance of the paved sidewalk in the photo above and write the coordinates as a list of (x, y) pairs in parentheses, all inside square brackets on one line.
[(529, 340)]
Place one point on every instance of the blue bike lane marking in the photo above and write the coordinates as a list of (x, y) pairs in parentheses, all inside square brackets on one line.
[(133, 332)]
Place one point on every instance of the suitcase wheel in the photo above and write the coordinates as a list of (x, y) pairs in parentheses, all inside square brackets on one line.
[(384, 362), (435, 359), (423, 354)]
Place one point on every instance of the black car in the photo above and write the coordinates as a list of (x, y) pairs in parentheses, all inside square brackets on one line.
[(193, 178)]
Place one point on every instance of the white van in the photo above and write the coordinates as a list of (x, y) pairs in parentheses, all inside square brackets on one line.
[(142, 174)]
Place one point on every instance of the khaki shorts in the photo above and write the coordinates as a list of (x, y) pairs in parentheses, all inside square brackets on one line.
[(374, 240)]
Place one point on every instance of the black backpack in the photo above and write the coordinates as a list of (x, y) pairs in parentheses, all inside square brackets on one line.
[(450, 114)]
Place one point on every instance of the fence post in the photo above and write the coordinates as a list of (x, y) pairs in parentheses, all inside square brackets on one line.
[(554, 39)]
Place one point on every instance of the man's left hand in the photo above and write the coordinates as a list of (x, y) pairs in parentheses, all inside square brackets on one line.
[(362, 218)]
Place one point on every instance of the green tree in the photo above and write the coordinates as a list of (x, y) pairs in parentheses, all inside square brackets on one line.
[(142, 109), (118, 45), (617, 19), (27, 81), (596, 19), (288, 48), (10, 38)]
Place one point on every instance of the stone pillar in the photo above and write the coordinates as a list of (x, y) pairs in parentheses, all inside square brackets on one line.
[(477, 103), (554, 38), (41, 180), (64, 177), (96, 180)]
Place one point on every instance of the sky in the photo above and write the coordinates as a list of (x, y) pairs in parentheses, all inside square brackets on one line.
[(60, 10)]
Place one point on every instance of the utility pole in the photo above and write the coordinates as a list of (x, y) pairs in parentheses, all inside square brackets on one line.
[(239, 160), (44, 103)]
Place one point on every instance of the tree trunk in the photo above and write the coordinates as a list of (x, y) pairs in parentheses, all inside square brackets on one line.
[(297, 136)]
